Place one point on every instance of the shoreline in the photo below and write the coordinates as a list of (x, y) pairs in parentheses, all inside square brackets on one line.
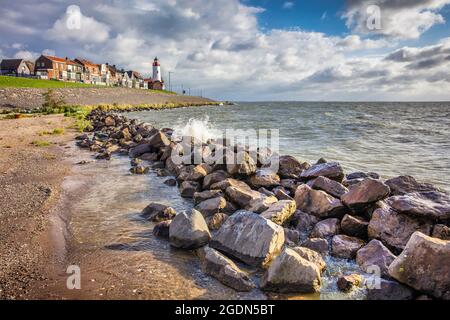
[(52, 287)]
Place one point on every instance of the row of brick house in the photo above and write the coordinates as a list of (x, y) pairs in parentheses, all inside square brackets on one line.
[(80, 70)]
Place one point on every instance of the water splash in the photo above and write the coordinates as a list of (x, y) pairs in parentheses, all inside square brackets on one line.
[(200, 129)]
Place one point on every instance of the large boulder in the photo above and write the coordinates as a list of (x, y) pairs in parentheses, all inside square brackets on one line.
[(140, 149), (223, 269), (211, 206), (354, 226), (242, 195), (331, 170), (318, 203), (424, 265), (158, 140), (365, 193), (326, 228), (280, 211), (406, 184), (290, 273), (311, 256), (429, 205), (347, 283), (331, 187), (249, 238), (262, 204), (229, 182), (189, 188), (157, 212), (188, 230), (214, 177), (206, 195), (289, 167), (242, 164), (264, 178), (375, 254), (319, 245), (394, 229), (390, 290), (345, 247)]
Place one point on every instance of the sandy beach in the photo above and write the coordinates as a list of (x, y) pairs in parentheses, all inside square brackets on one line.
[(30, 180)]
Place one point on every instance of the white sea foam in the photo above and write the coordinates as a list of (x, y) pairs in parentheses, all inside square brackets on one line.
[(200, 129)]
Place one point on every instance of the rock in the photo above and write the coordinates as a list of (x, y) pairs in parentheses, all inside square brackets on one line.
[(188, 230), (140, 169), (262, 204), (429, 205), (321, 160), (290, 184), (441, 231), (189, 188), (135, 161), (157, 212), (172, 167), (229, 182), (362, 175), (291, 236), (353, 226), (242, 195), (345, 247), (266, 192), (206, 195), (249, 238), (424, 265), (390, 290), (264, 178), (171, 182), (304, 222), (243, 164), (394, 229), (110, 122), (199, 172), (331, 170), (214, 177), (347, 283), (406, 184), (282, 195), (140, 149), (158, 140), (331, 187), (290, 273), (280, 211), (216, 220), (318, 203), (326, 228), (375, 254), (319, 245), (365, 193), (289, 167), (162, 229), (125, 134), (311, 256), (211, 206), (149, 156), (223, 269), (105, 155)]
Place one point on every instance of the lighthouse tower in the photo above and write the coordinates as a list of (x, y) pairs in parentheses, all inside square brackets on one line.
[(156, 70)]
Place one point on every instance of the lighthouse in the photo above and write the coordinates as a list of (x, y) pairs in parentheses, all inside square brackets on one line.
[(156, 70)]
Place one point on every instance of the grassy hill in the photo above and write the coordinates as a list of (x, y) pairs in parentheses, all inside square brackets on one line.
[(15, 82)]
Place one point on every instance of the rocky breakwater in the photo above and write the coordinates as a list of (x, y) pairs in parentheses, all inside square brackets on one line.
[(284, 224)]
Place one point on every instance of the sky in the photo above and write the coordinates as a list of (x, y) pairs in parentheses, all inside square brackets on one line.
[(250, 50)]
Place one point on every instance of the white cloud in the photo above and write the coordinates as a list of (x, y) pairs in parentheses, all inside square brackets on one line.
[(27, 55), (399, 18), (219, 47), (85, 30)]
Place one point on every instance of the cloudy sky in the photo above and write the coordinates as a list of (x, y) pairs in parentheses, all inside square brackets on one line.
[(251, 49)]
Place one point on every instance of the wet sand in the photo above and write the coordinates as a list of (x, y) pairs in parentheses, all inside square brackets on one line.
[(30, 184)]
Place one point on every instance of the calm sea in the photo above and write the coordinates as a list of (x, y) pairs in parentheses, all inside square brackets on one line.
[(388, 138)]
